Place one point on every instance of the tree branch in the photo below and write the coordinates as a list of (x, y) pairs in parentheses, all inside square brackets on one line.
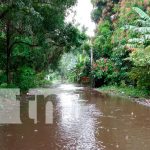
[(4, 13), (22, 42)]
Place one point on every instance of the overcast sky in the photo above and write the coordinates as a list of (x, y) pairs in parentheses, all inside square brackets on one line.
[(83, 16)]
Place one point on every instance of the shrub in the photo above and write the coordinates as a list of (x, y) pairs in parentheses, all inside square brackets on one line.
[(104, 69), (141, 72), (25, 78)]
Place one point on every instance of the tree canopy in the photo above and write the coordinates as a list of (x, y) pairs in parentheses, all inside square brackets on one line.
[(33, 36)]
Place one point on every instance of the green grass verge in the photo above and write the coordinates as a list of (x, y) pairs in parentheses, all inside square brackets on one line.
[(125, 91)]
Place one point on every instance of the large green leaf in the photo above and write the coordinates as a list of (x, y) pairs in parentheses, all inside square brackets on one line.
[(141, 13)]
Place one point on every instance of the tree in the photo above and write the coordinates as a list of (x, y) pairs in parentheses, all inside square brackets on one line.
[(34, 34), (140, 55), (103, 9), (102, 42), (142, 29)]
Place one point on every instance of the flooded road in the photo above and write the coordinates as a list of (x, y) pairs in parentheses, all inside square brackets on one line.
[(83, 120)]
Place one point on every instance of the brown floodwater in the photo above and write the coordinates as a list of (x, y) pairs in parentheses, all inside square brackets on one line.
[(83, 119)]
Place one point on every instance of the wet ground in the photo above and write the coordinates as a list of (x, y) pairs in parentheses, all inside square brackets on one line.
[(83, 120)]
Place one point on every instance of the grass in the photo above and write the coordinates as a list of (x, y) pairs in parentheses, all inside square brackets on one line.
[(125, 91)]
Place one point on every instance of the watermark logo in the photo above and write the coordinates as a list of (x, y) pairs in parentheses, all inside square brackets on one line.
[(36, 106)]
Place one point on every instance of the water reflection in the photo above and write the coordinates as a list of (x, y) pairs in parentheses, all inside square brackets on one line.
[(83, 120), (77, 127)]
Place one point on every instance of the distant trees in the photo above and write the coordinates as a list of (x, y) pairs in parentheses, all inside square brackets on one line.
[(103, 9)]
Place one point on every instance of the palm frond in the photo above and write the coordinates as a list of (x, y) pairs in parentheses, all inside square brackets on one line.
[(137, 40), (141, 13), (141, 30), (132, 46), (146, 36), (143, 23)]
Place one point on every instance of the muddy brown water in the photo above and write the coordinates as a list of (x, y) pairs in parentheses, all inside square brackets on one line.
[(83, 120)]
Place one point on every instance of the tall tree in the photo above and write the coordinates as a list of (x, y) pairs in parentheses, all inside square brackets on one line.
[(33, 33)]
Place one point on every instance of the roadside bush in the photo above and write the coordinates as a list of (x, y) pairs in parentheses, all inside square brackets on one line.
[(3, 78), (123, 65), (102, 43), (25, 78), (141, 71), (105, 69)]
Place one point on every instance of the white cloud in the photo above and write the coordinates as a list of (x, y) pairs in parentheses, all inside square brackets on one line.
[(83, 16)]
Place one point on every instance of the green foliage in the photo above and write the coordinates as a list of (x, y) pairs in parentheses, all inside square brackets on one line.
[(3, 77), (104, 69), (103, 9), (75, 65), (67, 64), (123, 65), (25, 78), (141, 13), (140, 57), (126, 91), (141, 72), (142, 29), (82, 67), (102, 43), (141, 76), (96, 13), (34, 34), (127, 49)]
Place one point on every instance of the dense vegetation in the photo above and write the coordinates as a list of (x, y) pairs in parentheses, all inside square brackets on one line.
[(35, 40), (121, 46), (33, 37), (122, 40)]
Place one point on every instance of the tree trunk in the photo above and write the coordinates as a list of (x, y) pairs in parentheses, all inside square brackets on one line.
[(8, 53)]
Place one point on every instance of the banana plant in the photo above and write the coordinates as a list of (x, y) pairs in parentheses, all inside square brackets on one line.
[(142, 28)]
